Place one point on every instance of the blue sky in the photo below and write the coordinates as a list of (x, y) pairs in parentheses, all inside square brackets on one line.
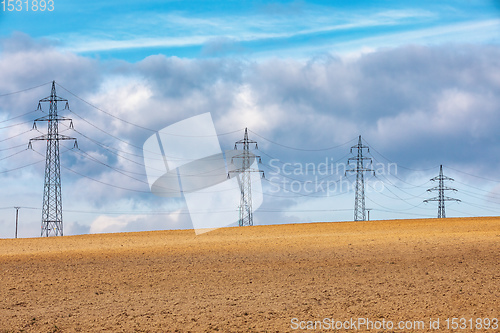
[(194, 29), (419, 80)]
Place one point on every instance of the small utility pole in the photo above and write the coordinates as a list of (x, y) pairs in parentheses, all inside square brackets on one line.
[(17, 217)]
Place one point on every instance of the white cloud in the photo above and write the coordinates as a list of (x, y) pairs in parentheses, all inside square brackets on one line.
[(403, 100), (113, 224), (173, 220), (197, 31)]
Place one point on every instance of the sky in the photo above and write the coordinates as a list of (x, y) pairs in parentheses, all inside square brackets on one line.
[(418, 80)]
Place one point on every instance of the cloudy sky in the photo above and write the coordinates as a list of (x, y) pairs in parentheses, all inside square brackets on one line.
[(419, 81)]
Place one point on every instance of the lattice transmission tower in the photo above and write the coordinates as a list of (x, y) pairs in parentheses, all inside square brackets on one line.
[(360, 169), (245, 172), (52, 219), (441, 198)]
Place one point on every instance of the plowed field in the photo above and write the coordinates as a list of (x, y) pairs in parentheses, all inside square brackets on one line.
[(262, 278)]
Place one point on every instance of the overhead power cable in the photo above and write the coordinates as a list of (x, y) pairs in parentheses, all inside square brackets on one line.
[(136, 125), (404, 213), (20, 116), (312, 194), (14, 147), (22, 167), (27, 89), (399, 165), (18, 124), (15, 136), (469, 174), (301, 149)]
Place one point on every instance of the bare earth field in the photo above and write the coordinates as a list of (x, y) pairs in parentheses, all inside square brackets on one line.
[(256, 278)]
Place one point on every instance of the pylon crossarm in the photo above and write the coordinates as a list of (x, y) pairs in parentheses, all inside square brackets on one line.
[(359, 158), (444, 188), (449, 189), (52, 118), (54, 137), (53, 99), (40, 138)]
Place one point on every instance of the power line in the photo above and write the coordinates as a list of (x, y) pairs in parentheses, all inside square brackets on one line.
[(380, 176), (19, 152), (20, 116), (404, 213), (21, 167), (14, 125), (119, 139), (469, 174), (407, 168), (13, 147), (20, 91), (96, 180), (15, 136), (136, 125), (302, 149), (303, 184)]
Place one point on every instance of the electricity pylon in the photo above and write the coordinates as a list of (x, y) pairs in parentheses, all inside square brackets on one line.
[(247, 157), (360, 169), (52, 220), (441, 198)]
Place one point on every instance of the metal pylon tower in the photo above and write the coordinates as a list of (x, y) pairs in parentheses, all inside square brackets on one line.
[(247, 157), (360, 169), (52, 221), (441, 198)]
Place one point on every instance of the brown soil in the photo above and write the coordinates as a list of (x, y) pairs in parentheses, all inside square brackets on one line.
[(254, 278)]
